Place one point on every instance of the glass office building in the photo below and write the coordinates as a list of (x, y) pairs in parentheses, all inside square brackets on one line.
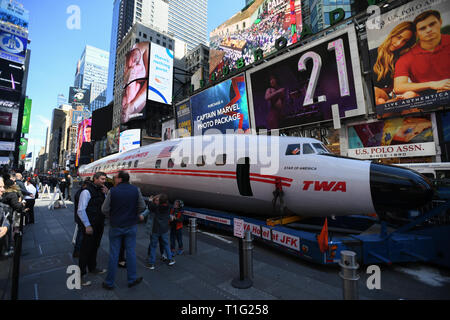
[(188, 21), (319, 12)]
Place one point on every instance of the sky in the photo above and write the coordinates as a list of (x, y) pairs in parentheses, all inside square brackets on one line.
[(55, 49)]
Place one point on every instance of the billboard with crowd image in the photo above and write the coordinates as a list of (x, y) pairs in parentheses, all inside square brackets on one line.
[(258, 26)]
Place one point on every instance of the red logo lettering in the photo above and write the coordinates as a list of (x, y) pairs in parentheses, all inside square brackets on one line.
[(325, 186)]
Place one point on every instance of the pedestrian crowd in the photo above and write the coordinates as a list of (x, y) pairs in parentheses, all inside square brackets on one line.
[(122, 203), (17, 199)]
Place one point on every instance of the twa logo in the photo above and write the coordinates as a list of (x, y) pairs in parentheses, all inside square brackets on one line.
[(332, 186)]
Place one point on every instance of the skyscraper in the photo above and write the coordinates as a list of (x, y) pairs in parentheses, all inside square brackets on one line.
[(319, 12), (152, 13), (188, 21), (92, 74)]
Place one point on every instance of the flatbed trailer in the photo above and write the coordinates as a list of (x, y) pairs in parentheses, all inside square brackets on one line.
[(374, 243)]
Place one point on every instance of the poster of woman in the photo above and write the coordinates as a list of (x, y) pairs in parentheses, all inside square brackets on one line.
[(410, 58)]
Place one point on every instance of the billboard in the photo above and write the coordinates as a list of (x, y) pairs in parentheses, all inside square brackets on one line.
[(160, 82), (184, 119), (13, 46), (135, 81), (393, 138), (113, 137), (317, 82), (7, 145), (410, 58), (168, 130), (256, 27), (222, 107), (102, 122), (9, 116), (14, 13), (77, 117), (84, 135), (11, 75), (26, 116), (129, 140), (79, 96), (23, 148)]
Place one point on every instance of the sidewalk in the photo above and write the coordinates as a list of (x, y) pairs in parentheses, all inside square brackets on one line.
[(47, 252)]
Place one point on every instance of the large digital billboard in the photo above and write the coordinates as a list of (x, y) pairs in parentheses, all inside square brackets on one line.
[(393, 138), (79, 96), (258, 26), (410, 58), (222, 107), (135, 82), (13, 12), (184, 119), (160, 84), (317, 82), (129, 140), (84, 135), (9, 116), (11, 75), (26, 116), (113, 137), (13, 46)]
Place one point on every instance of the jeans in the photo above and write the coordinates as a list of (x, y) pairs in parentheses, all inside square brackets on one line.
[(115, 241), (154, 243), (178, 236), (161, 246)]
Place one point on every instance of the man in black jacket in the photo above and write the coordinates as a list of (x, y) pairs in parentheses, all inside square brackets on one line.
[(93, 220)]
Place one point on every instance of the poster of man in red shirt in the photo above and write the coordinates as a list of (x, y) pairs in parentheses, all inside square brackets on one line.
[(410, 57)]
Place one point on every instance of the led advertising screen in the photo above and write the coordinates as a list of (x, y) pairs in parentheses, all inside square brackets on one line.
[(79, 96), (135, 81), (168, 130), (14, 12), (102, 122), (393, 138), (222, 107), (160, 84), (410, 58), (84, 135), (26, 116), (113, 137), (256, 27), (184, 119), (317, 82), (129, 140), (7, 145), (11, 75), (13, 47), (9, 116)]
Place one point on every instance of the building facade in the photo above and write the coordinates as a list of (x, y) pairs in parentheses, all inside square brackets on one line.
[(92, 73), (188, 21), (197, 64)]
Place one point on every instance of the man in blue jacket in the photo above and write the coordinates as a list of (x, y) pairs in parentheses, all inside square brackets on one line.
[(123, 204)]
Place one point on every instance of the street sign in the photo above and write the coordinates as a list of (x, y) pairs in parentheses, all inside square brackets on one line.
[(238, 228)]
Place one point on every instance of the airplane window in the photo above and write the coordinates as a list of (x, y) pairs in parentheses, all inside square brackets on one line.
[(184, 162), (129, 164), (221, 160), (201, 161), (158, 164), (293, 150), (170, 164), (307, 149), (136, 163), (320, 149)]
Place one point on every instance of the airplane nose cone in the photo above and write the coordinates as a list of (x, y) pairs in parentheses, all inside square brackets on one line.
[(398, 188)]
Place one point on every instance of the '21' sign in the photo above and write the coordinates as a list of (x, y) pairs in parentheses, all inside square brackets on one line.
[(338, 47)]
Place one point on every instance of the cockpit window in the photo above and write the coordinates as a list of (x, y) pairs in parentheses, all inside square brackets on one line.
[(320, 148), (293, 150), (307, 149)]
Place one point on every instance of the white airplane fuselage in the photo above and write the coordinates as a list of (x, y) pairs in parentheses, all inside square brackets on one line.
[(313, 184)]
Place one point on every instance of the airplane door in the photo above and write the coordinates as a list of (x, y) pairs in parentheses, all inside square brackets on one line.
[(243, 177)]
